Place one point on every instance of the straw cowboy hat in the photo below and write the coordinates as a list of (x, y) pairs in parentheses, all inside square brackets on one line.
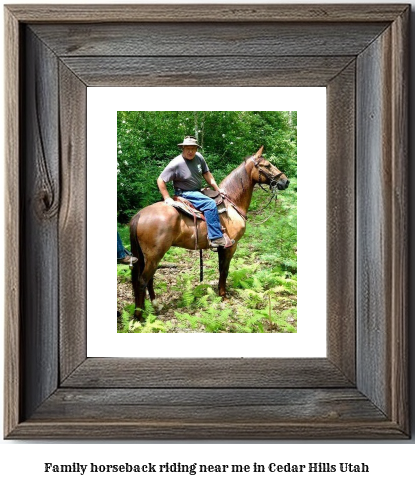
[(189, 141)]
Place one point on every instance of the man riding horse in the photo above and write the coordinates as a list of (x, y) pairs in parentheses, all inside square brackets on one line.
[(158, 227), (188, 173)]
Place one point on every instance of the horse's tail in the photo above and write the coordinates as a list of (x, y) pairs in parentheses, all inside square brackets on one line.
[(137, 252)]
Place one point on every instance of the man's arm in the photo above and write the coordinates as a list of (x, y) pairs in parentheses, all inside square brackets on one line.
[(163, 190), (210, 180)]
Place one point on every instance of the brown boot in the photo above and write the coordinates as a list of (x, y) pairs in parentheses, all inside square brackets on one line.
[(222, 242), (128, 260)]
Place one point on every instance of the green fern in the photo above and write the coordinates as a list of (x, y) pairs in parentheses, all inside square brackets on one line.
[(250, 328), (257, 285), (123, 273), (160, 287), (202, 290), (188, 297), (203, 302), (256, 318), (149, 310), (185, 286), (155, 326), (134, 326), (238, 277), (125, 321), (185, 318), (251, 298), (286, 321), (215, 320), (150, 326)]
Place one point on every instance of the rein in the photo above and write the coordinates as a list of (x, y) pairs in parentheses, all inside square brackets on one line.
[(271, 189), (273, 197), (240, 212)]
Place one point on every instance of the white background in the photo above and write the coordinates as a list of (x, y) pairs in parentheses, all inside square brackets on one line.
[(310, 340), (21, 463)]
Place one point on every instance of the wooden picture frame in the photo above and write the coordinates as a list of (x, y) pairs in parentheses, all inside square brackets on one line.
[(360, 53)]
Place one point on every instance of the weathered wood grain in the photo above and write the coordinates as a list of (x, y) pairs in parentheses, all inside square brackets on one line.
[(205, 13), (72, 222), (250, 429), (400, 233), (374, 187), (382, 222), (13, 352), (341, 236), (198, 39), (363, 430), (206, 373), (209, 405), (205, 71), (40, 191)]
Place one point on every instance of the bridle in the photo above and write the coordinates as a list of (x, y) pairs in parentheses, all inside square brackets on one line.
[(273, 181)]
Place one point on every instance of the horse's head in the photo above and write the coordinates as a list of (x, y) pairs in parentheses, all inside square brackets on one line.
[(266, 173)]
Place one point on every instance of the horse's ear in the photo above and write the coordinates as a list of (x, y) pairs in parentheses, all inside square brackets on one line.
[(259, 153)]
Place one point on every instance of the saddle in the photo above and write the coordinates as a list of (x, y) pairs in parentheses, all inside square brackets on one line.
[(188, 208)]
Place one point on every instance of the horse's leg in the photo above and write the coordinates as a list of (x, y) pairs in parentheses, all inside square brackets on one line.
[(157, 305), (139, 292), (225, 256), (152, 232), (144, 281), (151, 255), (150, 288)]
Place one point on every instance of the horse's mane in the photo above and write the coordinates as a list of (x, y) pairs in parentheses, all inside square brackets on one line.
[(237, 181)]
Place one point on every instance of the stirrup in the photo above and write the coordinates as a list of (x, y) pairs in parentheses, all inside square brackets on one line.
[(228, 243)]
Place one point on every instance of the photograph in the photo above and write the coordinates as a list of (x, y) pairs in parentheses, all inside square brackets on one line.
[(216, 192)]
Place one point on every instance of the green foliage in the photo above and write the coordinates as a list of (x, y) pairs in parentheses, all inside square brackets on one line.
[(124, 232), (187, 319), (123, 273), (188, 297), (210, 320), (125, 320), (147, 141), (151, 323)]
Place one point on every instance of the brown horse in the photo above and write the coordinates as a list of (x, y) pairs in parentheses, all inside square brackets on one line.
[(157, 227)]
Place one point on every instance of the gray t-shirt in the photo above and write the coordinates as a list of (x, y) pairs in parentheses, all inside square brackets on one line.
[(186, 174)]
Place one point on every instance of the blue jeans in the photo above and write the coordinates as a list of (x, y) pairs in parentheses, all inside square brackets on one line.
[(120, 248), (208, 207)]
